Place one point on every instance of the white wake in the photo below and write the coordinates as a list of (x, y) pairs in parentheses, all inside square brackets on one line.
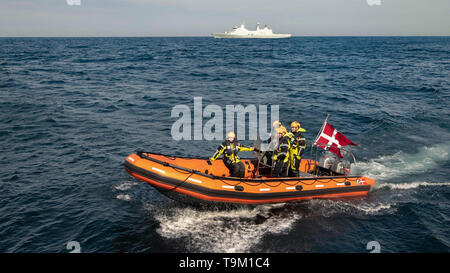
[(402, 163), (412, 185), (227, 231)]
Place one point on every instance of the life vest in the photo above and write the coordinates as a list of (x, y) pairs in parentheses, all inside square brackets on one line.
[(282, 151), (298, 142), (298, 146), (229, 151)]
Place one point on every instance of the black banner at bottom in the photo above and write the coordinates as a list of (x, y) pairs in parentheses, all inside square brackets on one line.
[(205, 262)]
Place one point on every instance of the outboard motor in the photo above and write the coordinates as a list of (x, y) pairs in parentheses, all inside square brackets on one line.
[(330, 161), (341, 167), (327, 160)]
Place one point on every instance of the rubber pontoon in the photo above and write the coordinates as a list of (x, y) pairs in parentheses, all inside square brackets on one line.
[(201, 180)]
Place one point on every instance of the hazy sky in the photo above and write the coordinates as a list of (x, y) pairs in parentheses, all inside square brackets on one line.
[(202, 17)]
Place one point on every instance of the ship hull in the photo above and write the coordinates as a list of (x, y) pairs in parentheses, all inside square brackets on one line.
[(250, 36)]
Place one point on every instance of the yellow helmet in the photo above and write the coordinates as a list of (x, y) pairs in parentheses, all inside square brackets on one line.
[(276, 123), (295, 124), (231, 135), (281, 130)]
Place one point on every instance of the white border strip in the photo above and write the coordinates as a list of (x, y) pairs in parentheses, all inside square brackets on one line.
[(158, 170), (194, 180)]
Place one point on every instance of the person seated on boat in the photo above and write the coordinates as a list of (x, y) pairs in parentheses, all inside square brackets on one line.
[(229, 148), (298, 146), (267, 157), (281, 154)]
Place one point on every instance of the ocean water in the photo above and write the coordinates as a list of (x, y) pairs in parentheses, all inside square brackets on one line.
[(72, 109)]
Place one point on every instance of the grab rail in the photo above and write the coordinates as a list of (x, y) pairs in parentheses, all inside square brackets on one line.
[(255, 180)]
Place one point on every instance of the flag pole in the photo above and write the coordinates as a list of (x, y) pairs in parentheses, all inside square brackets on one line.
[(315, 142), (321, 129)]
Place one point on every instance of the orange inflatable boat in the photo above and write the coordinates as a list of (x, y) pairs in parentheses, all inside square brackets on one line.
[(197, 179)]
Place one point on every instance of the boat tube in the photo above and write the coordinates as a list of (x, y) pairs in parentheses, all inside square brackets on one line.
[(200, 180)]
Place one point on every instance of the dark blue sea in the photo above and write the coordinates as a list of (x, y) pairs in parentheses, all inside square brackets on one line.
[(72, 110)]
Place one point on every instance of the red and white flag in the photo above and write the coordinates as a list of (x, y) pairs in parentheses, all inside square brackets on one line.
[(331, 139)]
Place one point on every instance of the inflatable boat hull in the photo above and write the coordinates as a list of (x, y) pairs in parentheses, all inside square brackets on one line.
[(195, 179)]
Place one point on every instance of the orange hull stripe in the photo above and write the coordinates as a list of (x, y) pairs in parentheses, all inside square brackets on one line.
[(244, 201)]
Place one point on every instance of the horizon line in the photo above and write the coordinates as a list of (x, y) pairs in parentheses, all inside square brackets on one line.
[(210, 36)]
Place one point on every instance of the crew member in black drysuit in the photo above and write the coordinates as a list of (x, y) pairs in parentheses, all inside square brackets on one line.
[(229, 148), (298, 146), (281, 154)]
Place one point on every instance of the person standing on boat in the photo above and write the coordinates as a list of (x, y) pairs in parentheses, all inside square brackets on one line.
[(298, 146), (267, 157), (281, 154), (229, 148)]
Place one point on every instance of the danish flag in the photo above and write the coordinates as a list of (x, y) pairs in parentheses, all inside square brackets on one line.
[(331, 139)]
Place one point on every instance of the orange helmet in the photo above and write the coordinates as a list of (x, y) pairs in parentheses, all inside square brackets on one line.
[(295, 124)]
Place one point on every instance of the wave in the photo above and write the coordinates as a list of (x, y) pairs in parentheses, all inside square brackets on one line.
[(125, 186), (124, 197), (402, 163), (362, 207), (229, 231), (412, 185), (242, 229)]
